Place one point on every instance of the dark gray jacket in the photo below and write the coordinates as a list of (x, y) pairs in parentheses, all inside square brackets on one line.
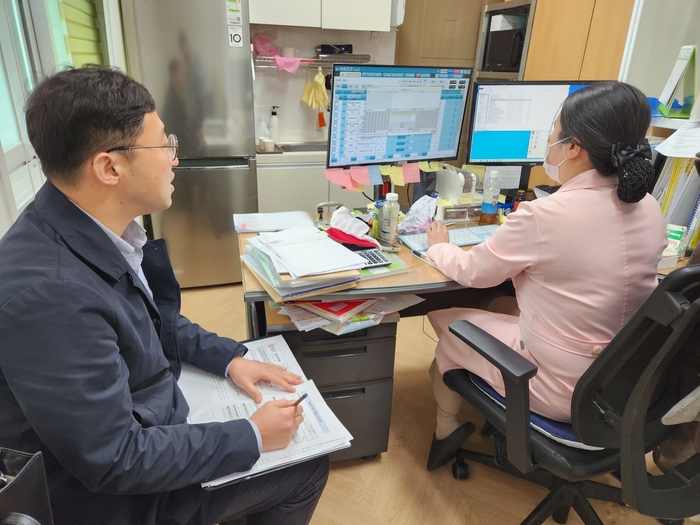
[(88, 368)]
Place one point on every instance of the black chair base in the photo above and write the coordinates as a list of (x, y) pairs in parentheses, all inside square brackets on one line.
[(563, 494)]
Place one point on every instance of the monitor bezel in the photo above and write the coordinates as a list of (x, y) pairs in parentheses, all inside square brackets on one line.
[(470, 82), (475, 91)]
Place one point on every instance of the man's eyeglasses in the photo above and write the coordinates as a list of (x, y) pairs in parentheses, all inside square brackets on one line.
[(172, 147)]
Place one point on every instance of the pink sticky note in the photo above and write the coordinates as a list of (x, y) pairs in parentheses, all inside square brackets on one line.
[(411, 173), (340, 177), (360, 174)]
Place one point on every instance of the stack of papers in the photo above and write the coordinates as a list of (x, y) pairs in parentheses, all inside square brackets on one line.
[(303, 262), (372, 314), (213, 398)]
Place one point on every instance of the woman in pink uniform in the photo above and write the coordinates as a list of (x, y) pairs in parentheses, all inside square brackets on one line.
[(582, 260)]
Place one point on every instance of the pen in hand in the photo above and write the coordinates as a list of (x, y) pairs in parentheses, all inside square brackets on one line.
[(300, 400)]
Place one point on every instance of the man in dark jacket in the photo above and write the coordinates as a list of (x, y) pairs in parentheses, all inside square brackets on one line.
[(92, 340)]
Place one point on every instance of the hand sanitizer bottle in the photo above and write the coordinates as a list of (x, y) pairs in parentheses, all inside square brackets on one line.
[(274, 125)]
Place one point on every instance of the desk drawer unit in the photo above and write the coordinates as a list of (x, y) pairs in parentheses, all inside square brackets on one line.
[(365, 410), (354, 373)]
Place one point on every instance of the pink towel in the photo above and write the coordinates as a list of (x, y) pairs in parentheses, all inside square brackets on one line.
[(287, 64)]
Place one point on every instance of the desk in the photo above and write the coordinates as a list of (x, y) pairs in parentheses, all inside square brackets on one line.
[(354, 372), (421, 279)]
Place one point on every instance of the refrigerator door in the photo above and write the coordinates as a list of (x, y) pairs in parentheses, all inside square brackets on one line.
[(194, 58), (198, 227)]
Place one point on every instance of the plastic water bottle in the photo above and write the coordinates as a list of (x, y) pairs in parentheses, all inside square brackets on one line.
[(390, 218), (489, 205)]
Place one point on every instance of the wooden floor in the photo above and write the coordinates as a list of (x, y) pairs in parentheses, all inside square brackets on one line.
[(396, 488)]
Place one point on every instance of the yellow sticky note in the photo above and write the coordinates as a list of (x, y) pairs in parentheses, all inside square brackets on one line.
[(475, 168), (435, 165), (426, 166), (444, 203), (501, 198), (466, 198), (396, 175), (384, 169)]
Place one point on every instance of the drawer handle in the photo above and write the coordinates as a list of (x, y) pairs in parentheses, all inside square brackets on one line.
[(340, 352), (344, 394)]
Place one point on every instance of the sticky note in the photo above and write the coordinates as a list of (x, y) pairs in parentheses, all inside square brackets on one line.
[(384, 169), (501, 199), (396, 176), (411, 173), (444, 203), (359, 174), (428, 167), (465, 198), (375, 175), (340, 177), (435, 165)]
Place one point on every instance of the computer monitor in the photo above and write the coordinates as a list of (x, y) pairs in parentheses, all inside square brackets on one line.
[(386, 114), (512, 120)]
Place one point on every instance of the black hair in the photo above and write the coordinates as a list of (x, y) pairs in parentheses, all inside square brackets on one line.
[(79, 112), (602, 115)]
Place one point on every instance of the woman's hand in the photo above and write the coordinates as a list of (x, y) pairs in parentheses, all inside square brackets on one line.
[(437, 233)]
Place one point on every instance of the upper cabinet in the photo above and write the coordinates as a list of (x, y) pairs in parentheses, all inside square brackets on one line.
[(578, 39), (360, 15)]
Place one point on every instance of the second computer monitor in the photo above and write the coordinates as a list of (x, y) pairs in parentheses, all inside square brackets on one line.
[(511, 121), (386, 114)]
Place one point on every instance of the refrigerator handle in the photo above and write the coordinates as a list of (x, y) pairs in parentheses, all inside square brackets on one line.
[(222, 167)]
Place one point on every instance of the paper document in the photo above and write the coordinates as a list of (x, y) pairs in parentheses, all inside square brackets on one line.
[(270, 222), (214, 398), (685, 142)]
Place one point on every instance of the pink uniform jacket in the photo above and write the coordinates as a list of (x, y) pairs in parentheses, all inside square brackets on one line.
[(582, 263)]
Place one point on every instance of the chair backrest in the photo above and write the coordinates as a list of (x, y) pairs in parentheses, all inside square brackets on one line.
[(619, 401), (603, 391)]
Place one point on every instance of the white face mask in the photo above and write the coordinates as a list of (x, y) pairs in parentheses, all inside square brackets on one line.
[(553, 171)]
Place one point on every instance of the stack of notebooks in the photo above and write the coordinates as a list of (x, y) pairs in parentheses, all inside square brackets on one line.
[(342, 317), (298, 263), (678, 192)]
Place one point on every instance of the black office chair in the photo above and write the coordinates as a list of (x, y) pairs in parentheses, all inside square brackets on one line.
[(616, 413)]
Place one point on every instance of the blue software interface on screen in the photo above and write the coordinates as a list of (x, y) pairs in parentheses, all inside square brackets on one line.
[(383, 114), (512, 121)]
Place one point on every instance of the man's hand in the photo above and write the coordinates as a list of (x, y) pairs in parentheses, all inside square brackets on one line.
[(277, 421), (437, 233), (246, 373)]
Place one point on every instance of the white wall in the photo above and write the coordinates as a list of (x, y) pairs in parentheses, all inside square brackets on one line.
[(663, 27), (298, 122)]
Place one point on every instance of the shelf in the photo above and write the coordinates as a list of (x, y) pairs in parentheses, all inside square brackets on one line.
[(668, 123), (325, 62)]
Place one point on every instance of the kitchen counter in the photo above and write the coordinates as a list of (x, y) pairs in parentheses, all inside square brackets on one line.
[(295, 180)]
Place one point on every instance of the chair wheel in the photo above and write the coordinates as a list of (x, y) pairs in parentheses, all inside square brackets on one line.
[(460, 470)]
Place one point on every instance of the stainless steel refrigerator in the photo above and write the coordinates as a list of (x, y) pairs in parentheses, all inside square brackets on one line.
[(194, 58)]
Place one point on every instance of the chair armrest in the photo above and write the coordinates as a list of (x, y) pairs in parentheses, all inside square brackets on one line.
[(516, 372)]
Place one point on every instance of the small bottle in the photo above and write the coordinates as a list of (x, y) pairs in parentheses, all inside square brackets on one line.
[(390, 218), (274, 125), (261, 130), (520, 197), (489, 204)]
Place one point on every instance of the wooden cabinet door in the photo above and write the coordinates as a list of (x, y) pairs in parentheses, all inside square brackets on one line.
[(558, 42), (305, 13), (439, 33), (606, 39), (359, 15)]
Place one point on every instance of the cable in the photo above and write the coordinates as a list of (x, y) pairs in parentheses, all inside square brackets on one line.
[(426, 333), (368, 197), (408, 194)]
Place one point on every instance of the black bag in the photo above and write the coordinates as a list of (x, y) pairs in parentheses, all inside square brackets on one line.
[(24, 498)]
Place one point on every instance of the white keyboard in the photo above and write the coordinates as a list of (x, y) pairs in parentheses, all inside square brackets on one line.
[(458, 237)]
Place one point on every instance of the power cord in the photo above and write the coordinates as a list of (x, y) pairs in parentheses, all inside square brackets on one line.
[(426, 333)]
